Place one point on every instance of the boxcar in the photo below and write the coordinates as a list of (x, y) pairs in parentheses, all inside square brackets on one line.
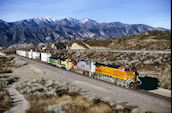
[(36, 55), (30, 55), (21, 52), (27, 54), (45, 56)]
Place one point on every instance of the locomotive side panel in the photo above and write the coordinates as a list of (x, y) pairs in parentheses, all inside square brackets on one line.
[(84, 65), (67, 64), (113, 72)]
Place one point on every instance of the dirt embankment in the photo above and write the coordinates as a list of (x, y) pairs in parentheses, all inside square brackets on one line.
[(152, 65), (11, 101), (5, 80), (52, 96)]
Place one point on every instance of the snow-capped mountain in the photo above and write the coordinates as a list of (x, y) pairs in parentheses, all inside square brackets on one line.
[(84, 20), (43, 30), (87, 20)]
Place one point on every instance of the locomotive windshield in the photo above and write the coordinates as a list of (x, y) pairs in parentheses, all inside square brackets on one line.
[(130, 70), (127, 70), (133, 69)]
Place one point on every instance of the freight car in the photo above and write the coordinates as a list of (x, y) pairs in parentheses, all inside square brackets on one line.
[(45, 57), (36, 55), (120, 75)]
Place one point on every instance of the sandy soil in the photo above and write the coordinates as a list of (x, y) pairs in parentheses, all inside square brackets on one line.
[(105, 91), (76, 46)]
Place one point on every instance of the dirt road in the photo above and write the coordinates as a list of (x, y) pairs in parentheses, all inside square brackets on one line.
[(145, 101), (127, 51), (20, 104)]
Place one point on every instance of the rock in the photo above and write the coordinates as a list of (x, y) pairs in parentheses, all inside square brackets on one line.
[(45, 88), (49, 83), (135, 110), (34, 81), (62, 112), (90, 98), (73, 89), (28, 91), (38, 94), (49, 88), (112, 103), (57, 108), (57, 82), (83, 92), (40, 88), (41, 80), (20, 86), (64, 88), (119, 107), (52, 92), (29, 83), (33, 89)]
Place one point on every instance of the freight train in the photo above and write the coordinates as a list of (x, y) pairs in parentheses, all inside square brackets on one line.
[(120, 75)]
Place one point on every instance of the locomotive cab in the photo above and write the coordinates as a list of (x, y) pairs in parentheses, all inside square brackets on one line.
[(131, 75)]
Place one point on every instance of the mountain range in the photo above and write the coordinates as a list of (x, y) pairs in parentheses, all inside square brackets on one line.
[(45, 30)]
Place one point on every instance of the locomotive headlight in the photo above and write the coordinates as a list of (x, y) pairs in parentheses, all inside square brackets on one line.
[(131, 77)]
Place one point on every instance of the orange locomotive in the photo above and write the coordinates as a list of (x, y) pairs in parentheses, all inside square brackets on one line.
[(120, 75)]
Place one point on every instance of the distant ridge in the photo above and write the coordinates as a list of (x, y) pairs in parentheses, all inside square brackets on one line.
[(45, 30)]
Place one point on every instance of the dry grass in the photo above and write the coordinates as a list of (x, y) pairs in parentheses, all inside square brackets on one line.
[(75, 104), (9, 51), (65, 100), (151, 40), (4, 100), (5, 64), (5, 61)]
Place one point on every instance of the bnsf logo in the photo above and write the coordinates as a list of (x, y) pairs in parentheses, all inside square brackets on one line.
[(82, 65)]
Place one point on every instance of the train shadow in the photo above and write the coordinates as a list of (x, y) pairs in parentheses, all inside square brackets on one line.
[(149, 83)]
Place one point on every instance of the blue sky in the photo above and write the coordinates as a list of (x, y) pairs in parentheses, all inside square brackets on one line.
[(156, 13)]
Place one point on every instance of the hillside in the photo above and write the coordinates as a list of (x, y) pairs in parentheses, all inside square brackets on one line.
[(151, 40), (47, 30)]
